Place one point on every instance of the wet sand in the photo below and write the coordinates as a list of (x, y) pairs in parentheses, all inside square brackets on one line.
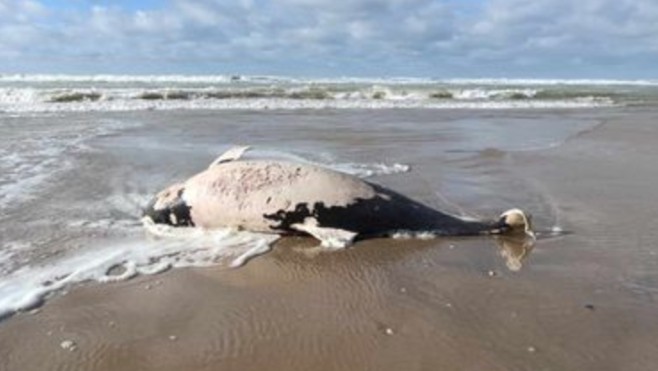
[(585, 300)]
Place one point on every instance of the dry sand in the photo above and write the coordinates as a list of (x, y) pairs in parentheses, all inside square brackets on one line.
[(583, 301)]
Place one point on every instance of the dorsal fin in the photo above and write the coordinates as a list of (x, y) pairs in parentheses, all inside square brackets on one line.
[(232, 154)]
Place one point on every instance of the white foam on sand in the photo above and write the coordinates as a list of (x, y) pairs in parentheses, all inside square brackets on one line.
[(167, 248)]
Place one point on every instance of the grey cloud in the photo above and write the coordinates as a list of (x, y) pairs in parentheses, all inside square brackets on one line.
[(567, 25), (340, 36)]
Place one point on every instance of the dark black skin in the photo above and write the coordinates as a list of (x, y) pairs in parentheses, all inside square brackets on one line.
[(368, 217), (380, 215), (163, 216)]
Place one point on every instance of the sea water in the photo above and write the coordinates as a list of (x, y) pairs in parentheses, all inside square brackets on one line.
[(81, 155)]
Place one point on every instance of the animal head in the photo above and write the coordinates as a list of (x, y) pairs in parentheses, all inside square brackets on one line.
[(168, 207)]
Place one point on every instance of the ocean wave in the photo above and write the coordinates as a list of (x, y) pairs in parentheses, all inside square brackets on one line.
[(535, 82), (75, 96), (493, 94), (24, 100), (57, 93), (288, 104)]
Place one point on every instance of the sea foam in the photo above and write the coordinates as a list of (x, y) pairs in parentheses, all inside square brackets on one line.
[(291, 104), (185, 247)]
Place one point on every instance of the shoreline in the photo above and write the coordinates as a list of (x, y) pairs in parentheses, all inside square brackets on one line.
[(584, 300)]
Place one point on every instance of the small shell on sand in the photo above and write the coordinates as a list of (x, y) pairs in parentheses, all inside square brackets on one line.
[(68, 345)]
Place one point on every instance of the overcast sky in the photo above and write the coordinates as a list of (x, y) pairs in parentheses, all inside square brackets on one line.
[(423, 38)]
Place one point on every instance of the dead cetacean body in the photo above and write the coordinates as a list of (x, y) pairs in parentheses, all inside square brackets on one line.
[(293, 198)]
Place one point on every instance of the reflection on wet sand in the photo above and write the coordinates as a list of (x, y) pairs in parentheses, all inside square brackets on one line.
[(515, 249)]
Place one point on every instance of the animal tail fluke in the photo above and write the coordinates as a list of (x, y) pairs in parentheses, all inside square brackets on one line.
[(514, 221)]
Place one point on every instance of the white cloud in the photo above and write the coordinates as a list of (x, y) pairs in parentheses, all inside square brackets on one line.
[(19, 26), (21, 10), (565, 24), (402, 36)]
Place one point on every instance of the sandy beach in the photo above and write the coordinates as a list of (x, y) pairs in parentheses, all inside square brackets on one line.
[(581, 300), (321, 185)]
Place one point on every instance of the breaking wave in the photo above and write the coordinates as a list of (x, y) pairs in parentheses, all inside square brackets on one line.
[(56, 93), (25, 100)]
